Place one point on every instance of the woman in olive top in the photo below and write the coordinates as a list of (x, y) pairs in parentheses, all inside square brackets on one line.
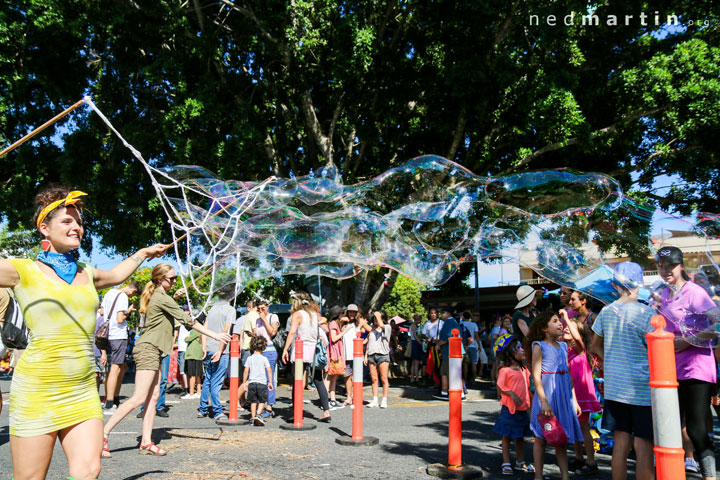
[(161, 313)]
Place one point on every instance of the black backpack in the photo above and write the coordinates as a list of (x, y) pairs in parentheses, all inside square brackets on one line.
[(15, 333)]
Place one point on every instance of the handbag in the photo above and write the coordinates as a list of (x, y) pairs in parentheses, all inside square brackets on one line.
[(320, 354), (280, 339), (553, 431), (101, 334), (15, 333)]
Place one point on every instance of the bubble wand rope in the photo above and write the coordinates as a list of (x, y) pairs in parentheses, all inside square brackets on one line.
[(42, 127)]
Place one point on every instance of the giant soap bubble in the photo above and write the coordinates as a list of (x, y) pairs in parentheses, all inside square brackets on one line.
[(422, 219)]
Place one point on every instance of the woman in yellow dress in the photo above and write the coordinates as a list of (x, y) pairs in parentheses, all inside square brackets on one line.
[(53, 392)]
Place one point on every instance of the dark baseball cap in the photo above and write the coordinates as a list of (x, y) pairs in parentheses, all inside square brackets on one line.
[(670, 254), (335, 312)]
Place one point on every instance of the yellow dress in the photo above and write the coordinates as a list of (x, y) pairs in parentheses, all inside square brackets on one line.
[(53, 386)]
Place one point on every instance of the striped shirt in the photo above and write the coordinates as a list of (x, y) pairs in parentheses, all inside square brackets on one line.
[(623, 326)]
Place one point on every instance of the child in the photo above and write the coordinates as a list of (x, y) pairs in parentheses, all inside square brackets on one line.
[(255, 379), (578, 337), (553, 386), (514, 385), (194, 354)]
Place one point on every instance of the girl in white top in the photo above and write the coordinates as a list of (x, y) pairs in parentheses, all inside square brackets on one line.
[(304, 324), (378, 356)]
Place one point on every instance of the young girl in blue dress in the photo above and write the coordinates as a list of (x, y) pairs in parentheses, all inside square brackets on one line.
[(554, 393), (514, 384)]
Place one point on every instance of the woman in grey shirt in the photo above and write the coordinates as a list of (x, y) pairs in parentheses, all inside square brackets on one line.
[(377, 356)]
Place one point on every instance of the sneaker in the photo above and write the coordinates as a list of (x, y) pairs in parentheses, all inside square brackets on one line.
[(110, 411), (373, 404), (259, 422), (691, 465), (252, 422), (266, 414), (383, 404), (442, 396), (463, 398), (187, 396), (197, 396), (337, 406), (161, 413), (332, 403)]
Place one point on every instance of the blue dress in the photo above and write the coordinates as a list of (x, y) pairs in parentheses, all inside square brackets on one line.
[(558, 391)]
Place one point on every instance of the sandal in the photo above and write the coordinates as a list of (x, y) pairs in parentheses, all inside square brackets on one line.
[(105, 450), (152, 449), (507, 469), (587, 469)]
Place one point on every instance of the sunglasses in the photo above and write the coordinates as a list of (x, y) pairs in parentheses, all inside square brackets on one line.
[(172, 279)]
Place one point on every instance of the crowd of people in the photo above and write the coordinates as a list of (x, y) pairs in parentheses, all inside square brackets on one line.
[(556, 363)]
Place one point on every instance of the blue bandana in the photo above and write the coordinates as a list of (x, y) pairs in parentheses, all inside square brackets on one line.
[(64, 264)]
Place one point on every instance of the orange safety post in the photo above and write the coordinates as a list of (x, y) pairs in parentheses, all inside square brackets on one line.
[(234, 382), (669, 454), (357, 438), (454, 468), (298, 389)]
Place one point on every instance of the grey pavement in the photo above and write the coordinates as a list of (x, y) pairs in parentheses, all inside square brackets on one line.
[(412, 434)]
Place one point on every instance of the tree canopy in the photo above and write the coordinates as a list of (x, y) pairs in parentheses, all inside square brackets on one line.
[(251, 89)]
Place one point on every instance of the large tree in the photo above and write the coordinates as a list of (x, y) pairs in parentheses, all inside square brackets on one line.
[(249, 89)]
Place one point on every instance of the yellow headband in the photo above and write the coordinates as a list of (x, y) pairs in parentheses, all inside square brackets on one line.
[(71, 199)]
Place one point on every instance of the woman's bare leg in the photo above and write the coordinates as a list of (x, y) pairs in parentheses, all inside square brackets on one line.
[(82, 444), (31, 456)]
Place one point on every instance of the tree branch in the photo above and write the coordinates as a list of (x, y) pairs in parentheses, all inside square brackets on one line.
[(459, 133), (572, 141), (322, 140)]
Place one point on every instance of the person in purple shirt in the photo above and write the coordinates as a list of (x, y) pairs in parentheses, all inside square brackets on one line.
[(690, 315)]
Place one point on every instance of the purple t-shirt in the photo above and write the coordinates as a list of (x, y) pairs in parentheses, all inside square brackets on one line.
[(688, 307)]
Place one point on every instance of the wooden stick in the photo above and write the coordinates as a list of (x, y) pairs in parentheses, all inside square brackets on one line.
[(168, 245), (41, 128)]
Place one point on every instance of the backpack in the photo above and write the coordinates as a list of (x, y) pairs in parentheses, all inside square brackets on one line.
[(15, 333)]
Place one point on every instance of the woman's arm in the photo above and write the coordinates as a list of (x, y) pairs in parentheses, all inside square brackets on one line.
[(294, 323), (121, 271), (220, 337), (336, 337), (269, 327), (9, 277)]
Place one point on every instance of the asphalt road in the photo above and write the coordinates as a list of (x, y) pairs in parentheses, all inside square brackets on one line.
[(412, 434)]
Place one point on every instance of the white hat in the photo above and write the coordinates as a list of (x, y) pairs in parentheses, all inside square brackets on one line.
[(352, 308), (525, 295)]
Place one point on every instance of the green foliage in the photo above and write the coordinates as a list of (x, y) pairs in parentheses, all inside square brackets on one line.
[(250, 90), (19, 244), (404, 300)]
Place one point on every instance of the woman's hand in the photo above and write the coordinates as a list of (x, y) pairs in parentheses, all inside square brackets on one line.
[(365, 360), (103, 358), (216, 357), (154, 251), (545, 408), (285, 356), (578, 410), (204, 354), (180, 292), (222, 337)]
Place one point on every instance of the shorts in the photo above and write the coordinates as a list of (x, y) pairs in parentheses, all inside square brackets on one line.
[(257, 393), (444, 367), (100, 368), (635, 419), (474, 355), (378, 358), (147, 356), (116, 355), (193, 368), (181, 362), (348, 369)]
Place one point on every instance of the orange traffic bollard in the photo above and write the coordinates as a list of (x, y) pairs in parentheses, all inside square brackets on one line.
[(454, 468), (669, 454), (234, 382), (298, 389), (357, 438)]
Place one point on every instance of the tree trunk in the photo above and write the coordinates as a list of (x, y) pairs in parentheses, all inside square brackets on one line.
[(383, 292)]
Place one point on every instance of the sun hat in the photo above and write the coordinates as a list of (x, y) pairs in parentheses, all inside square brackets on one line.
[(525, 295), (502, 343)]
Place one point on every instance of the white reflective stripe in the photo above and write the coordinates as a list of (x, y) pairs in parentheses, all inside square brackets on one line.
[(299, 367), (455, 373), (234, 367), (358, 369), (666, 417)]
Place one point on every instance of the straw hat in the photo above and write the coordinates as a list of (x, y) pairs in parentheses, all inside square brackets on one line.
[(525, 295)]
